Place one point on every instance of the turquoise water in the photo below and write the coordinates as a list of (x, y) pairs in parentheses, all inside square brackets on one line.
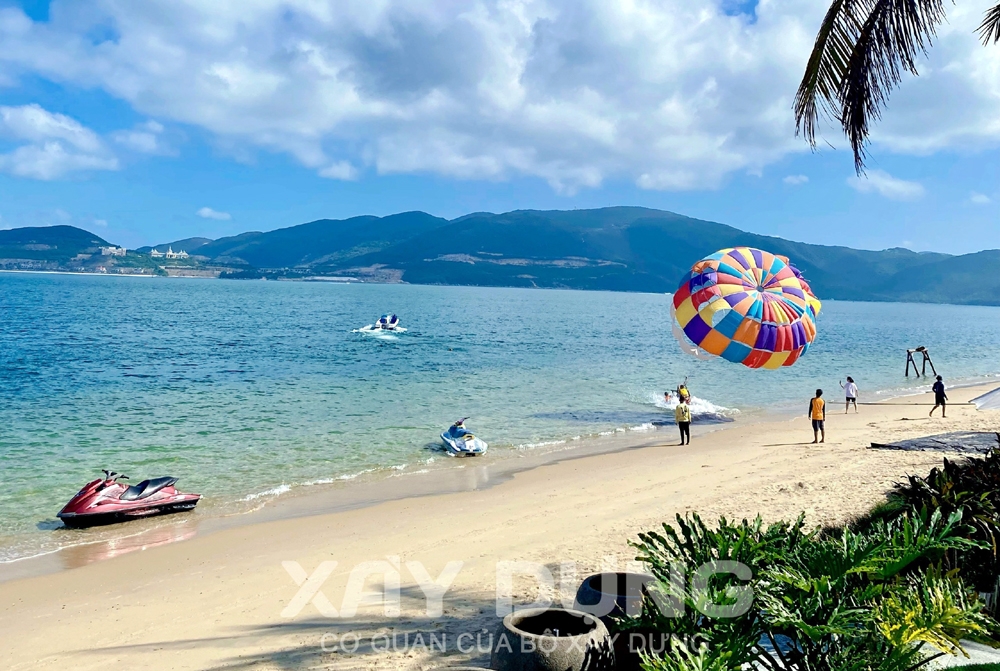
[(246, 389)]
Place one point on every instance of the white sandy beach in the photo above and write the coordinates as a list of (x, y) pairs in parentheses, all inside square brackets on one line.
[(215, 601)]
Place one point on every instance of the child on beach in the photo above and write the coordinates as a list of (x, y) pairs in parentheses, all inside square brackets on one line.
[(851, 393), (682, 415), (940, 398), (817, 413)]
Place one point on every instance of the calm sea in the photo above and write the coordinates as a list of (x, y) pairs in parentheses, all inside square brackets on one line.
[(245, 390)]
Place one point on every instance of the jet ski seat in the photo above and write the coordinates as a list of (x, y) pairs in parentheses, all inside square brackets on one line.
[(146, 488)]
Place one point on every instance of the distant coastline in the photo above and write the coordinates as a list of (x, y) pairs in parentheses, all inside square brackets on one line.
[(341, 280), (623, 249), (69, 272)]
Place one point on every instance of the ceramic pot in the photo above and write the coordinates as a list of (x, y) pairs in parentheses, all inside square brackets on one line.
[(608, 595), (552, 639)]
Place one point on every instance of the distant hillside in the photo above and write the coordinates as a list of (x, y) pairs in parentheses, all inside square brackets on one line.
[(46, 246), (616, 248), (327, 242), (622, 248), (188, 245)]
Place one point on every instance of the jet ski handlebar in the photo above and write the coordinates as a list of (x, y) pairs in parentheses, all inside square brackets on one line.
[(111, 475)]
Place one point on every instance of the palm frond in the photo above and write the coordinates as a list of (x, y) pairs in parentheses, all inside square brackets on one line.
[(989, 29), (860, 54), (824, 72)]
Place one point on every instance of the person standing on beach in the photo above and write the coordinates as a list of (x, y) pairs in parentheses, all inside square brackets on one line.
[(682, 415), (851, 393), (940, 398), (817, 413)]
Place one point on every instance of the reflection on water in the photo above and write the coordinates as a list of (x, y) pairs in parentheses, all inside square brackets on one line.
[(76, 556)]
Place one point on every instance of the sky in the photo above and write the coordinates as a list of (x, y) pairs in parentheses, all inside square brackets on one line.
[(147, 122)]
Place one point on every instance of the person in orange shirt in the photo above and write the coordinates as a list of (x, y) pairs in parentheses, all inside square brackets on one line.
[(817, 412)]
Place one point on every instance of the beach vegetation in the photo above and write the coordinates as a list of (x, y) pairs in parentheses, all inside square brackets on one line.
[(886, 592), (971, 488)]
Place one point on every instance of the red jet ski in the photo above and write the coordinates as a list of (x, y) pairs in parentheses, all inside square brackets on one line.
[(108, 501)]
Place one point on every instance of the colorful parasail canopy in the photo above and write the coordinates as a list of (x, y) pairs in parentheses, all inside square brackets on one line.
[(747, 306)]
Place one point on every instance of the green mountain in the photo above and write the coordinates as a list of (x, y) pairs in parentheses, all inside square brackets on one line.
[(46, 247), (616, 248), (327, 242)]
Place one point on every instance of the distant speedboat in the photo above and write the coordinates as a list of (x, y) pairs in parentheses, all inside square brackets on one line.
[(385, 323), (460, 442)]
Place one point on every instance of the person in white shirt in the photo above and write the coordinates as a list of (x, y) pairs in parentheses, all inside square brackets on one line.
[(851, 393)]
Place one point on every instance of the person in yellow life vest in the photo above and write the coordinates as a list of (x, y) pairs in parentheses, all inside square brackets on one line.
[(683, 393), (817, 413), (682, 415)]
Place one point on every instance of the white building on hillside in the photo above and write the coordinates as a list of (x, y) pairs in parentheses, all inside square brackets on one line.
[(112, 251), (171, 254), (156, 254)]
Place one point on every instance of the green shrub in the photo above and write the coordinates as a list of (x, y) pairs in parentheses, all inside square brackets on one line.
[(972, 488), (864, 600)]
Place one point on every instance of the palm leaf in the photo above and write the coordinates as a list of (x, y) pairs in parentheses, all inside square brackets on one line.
[(823, 72), (859, 56), (989, 29)]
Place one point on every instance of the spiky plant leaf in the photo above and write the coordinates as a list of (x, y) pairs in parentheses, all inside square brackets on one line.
[(989, 29), (934, 610), (682, 658), (861, 51)]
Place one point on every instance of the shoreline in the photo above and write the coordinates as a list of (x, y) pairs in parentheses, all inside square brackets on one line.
[(337, 280), (367, 489), (349, 494), (134, 607), (72, 272)]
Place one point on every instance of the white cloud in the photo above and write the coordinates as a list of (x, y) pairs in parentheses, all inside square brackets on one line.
[(671, 95), (979, 199), (209, 213), (103, 223), (339, 170), (59, 144), (32, 123), (884, 184), (795, 180), (145, 138), (51, 161)]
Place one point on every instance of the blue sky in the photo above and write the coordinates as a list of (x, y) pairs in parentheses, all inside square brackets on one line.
[(149, 122)]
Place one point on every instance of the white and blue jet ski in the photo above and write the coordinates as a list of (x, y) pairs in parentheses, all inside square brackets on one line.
[(388, 323), (460, 442), (385, 324)]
